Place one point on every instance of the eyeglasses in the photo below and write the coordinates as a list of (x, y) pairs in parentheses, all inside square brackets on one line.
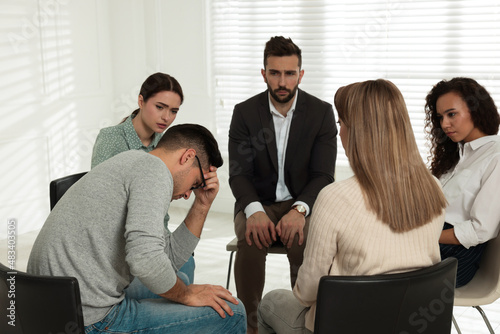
[(203, 183)]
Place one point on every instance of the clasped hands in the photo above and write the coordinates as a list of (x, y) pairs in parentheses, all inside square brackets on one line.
[(261, 230)]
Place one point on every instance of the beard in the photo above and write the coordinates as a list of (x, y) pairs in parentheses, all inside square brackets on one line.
[(288, 98)]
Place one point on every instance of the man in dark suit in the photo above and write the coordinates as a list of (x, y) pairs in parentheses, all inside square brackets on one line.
[(282, 152)]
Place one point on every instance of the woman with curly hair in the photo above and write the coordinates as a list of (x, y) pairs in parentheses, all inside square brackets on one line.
[(462, 123)]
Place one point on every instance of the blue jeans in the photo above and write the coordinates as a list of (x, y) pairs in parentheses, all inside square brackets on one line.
[(188, 270), (188, 267), (146, 313)]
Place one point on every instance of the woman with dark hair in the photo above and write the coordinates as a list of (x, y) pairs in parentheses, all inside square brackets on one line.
[(392, 198), (462, 123), (159, 101)]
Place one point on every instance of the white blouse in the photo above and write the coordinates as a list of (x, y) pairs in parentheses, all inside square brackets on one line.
[(472, 189)]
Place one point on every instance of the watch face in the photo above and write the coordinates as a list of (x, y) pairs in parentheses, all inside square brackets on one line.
[(300, 208)]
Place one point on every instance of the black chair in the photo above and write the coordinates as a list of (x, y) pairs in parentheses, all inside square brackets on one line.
[(36, 304), (420, 301), (39, 304), (59, 186)]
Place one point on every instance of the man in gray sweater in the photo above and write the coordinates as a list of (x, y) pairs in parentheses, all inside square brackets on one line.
[(108, 229)]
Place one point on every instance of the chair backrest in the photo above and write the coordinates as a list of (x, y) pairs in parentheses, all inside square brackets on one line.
[(420, 301), (485, 286), (490, 266), (59, 186), (32, 304)]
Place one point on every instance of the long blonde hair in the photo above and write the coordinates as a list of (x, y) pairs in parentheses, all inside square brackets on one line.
[(384, 156)]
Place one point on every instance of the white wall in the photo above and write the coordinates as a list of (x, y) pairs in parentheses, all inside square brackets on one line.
[(71, 67), (55, 87), (171, 37)]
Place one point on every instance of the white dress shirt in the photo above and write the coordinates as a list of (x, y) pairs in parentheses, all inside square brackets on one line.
[(282, 131), (472, 189)]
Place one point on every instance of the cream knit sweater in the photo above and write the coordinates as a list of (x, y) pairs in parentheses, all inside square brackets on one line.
[(345, 238)]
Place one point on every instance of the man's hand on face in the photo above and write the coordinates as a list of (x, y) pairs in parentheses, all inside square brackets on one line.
[(206, 195)]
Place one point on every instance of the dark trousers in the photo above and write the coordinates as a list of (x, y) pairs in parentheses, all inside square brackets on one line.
[(250, 262), (468, 259)]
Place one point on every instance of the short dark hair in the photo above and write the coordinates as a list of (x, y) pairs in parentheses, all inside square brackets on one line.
[(280, 46), (483, 112), (193, 136)]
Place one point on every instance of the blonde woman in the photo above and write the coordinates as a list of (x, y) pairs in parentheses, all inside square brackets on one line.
[(385, 219)]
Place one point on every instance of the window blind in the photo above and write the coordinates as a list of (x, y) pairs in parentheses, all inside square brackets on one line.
[(413, 43)]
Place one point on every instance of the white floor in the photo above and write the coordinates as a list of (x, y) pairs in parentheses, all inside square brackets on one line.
[(212, 261)]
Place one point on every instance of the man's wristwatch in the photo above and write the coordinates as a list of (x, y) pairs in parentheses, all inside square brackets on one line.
[(300, 209)]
